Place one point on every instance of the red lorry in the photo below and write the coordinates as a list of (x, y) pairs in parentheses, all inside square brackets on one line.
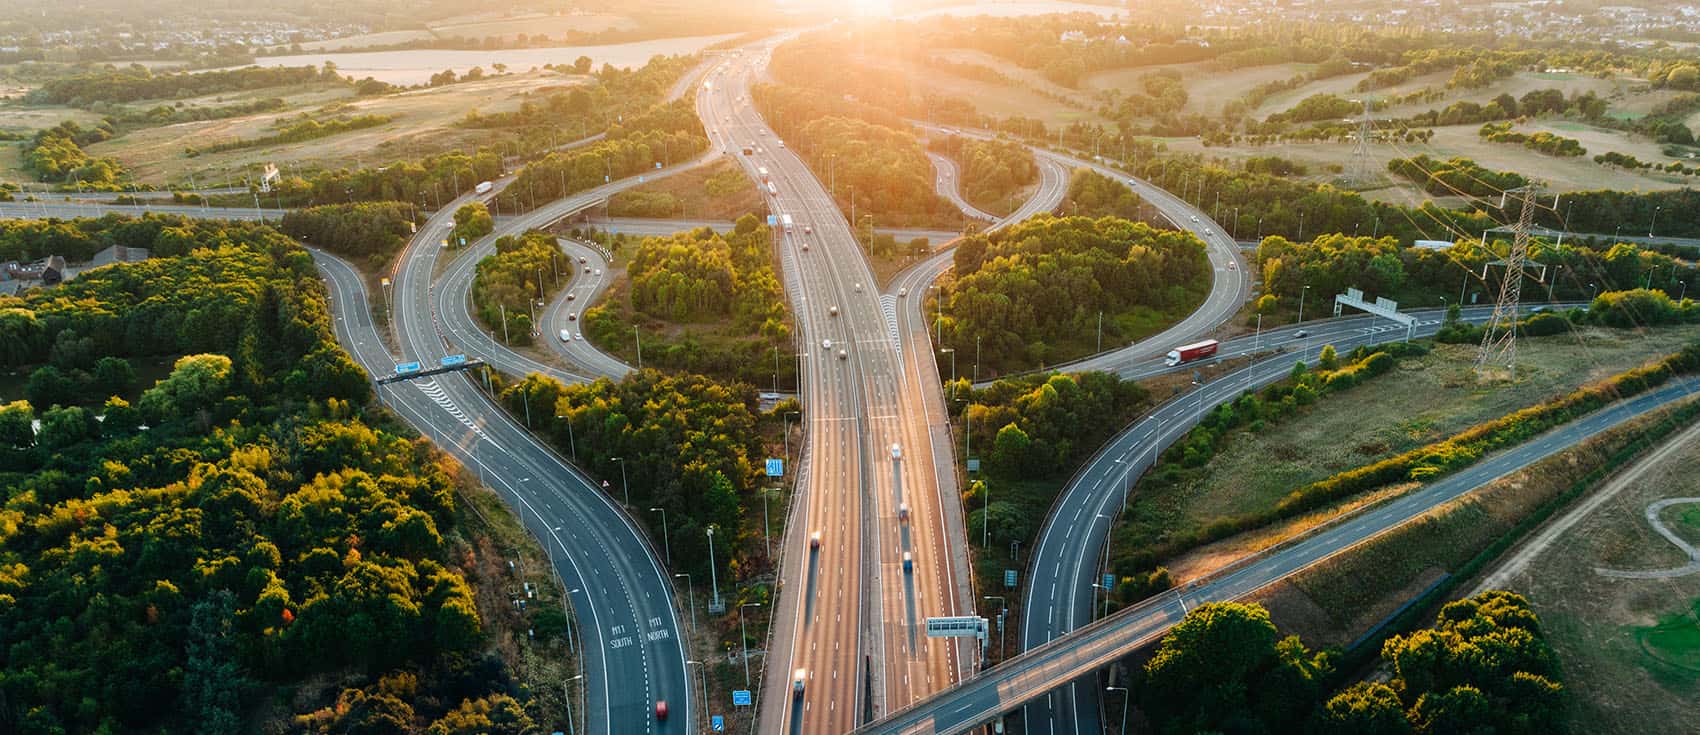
[(1188, 353)]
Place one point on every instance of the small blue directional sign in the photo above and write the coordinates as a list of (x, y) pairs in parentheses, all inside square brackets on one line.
[(658, 164), (740, 697), (453, 360), (1109, 581), (772, 220), (775, 467), (973, 465), (407, 367), (1009, 578), (718, 723)]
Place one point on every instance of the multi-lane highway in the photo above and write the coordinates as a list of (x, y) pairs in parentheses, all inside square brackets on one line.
[(1032, 677), (851, 613)]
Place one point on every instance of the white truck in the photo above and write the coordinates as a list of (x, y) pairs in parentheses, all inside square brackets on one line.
[(483, 187)]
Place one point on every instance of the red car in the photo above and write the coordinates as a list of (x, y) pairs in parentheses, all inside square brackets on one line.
[(661, 710)]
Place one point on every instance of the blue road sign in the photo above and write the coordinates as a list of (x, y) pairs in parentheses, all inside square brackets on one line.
[(772, 220), (775, 467), (453, 360), (658, 164), (1109, 581), (407, 367), (973, 465), (718, 723), (740, 697), (1009, 578)]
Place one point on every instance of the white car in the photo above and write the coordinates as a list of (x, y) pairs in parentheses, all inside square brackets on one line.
[(832, 311), (826, 344), (858, 288), (1195, 218), (566, 336), (903, 291), (578, 337), (897, 451)]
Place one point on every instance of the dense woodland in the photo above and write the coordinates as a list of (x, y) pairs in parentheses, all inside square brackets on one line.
[(187, 559), (1426, 277), (1033, 293), (703, 303), (113, 85), (370, 233), (686, 442), (1485, 667)]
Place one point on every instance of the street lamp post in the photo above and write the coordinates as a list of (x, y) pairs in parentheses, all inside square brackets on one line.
[(952, 351), (1654, 221), (625, 489), (744, 639), (713, 576), (1125, 696), (1684, 291), (572, 445), (787, 421), (690, 594), (568, 694), (1302, 293), (666, 545)]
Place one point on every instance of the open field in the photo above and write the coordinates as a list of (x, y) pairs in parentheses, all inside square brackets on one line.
[(1339, 600), (1207, 90), (424, 123), (1427, 399), (416, 66), (1558, 174), (1630, 648)]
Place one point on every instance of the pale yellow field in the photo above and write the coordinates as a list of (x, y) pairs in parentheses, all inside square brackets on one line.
[(424, 123)]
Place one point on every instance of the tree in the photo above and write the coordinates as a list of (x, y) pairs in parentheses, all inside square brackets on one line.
[(49, 386), (113, 376), (1010, 450), (581, 65), (16, 425), (213, 682), (1224, 668), (497, 714), (472, 221), (67, 426), (196, 382), (1365, 708)]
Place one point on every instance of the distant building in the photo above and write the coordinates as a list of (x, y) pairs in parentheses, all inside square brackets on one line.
[(117, 254), (53, 272)]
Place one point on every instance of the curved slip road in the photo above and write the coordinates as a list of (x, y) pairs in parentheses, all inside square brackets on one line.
[(632, 652)]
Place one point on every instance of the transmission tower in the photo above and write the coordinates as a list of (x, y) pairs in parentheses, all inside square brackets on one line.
[(1499, 342), (1360, 175)]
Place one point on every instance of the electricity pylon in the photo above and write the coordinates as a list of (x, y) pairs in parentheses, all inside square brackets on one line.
[(1499, 341)]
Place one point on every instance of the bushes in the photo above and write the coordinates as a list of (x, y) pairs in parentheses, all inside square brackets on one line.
[(472, 221)]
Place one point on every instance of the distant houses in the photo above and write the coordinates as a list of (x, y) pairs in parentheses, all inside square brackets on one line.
[(52, 270)]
